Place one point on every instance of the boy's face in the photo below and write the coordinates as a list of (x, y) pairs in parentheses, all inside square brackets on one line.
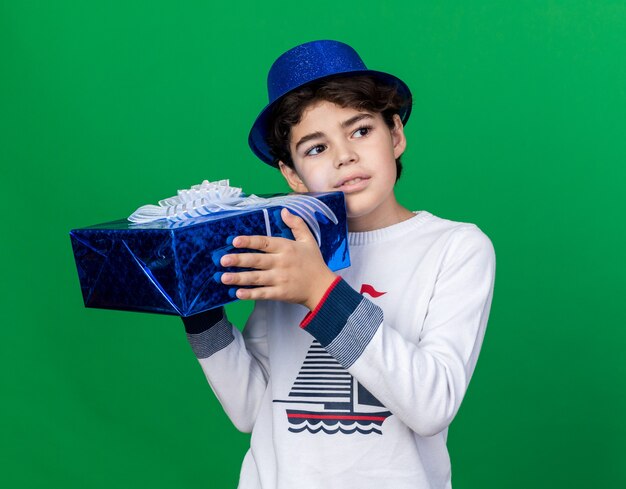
[(353, 151)]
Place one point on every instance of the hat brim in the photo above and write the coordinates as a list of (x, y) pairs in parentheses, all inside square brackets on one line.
[(257, 139)]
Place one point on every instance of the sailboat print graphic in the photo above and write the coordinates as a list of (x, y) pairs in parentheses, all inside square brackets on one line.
[(332, 400)]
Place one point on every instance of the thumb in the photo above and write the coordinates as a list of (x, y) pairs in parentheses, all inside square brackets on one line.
[(297, 225)]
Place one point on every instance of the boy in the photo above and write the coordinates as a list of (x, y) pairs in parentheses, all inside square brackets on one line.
[(362, 393)]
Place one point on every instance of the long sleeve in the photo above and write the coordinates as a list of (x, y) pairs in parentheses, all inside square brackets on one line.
[(235, 364), (422, 382)]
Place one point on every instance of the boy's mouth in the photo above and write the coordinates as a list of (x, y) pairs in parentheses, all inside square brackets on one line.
[(352, 183)]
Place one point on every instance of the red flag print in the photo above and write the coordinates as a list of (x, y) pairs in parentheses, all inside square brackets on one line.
[(369, 289)]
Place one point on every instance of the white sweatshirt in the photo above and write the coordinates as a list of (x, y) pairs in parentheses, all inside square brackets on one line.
[(361, 394)]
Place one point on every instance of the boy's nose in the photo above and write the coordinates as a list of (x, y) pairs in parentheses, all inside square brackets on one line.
[(346, 156)]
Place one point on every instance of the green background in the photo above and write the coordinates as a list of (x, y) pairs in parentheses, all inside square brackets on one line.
[(519, 125)]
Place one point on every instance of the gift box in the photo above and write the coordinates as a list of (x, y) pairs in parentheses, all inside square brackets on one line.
[(171, 266)]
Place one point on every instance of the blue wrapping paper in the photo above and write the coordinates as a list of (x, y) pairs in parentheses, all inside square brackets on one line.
[(173, 267)]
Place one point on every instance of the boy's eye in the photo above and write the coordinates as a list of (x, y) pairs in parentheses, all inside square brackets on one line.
[(362, 131), (315, 150)]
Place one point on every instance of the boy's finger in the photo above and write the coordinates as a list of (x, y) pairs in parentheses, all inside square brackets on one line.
[(260, 261), (246, 278), (297, 225), (258, 294), (262, 243)]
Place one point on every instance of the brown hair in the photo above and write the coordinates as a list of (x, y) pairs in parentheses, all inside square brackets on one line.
[(358, 92)]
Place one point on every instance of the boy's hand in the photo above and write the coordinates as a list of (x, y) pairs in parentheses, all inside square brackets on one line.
[(287, 270)]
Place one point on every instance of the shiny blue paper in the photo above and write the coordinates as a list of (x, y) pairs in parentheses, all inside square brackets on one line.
[(173, 267)]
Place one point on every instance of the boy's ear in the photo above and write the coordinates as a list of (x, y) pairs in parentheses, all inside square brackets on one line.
[(293, 179), (397, 136)]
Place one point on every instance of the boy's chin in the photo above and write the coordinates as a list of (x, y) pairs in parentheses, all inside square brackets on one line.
[(356, 213), (358, 205)]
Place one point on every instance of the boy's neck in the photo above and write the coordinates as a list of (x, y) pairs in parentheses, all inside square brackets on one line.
[(379, 220)]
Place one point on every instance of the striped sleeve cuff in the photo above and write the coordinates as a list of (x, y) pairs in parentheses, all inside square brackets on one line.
[(344, 322), (210, 341), (197, 323)]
